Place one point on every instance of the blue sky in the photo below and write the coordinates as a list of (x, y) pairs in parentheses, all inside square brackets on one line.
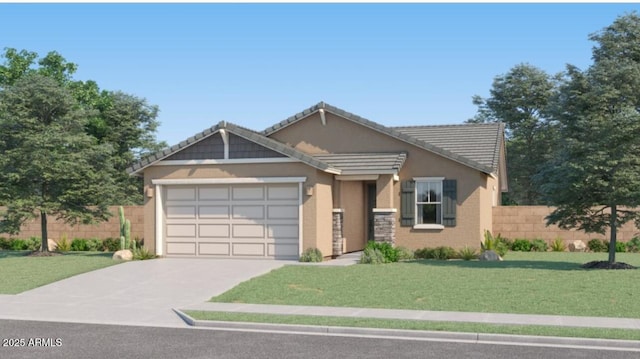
[(257, 64)]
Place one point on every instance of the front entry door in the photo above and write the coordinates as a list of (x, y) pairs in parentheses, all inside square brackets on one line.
[(371, 204)]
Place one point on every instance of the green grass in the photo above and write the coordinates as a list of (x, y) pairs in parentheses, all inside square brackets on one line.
[(529, 283), (625, 334), (20, 272)]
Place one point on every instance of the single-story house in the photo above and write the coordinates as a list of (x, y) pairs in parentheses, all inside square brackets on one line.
[(322, 178)]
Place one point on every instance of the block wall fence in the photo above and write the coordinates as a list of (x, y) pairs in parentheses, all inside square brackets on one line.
[(510, 221), (111, 228)]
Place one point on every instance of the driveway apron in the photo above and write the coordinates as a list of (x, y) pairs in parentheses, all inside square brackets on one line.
[(134, 293)]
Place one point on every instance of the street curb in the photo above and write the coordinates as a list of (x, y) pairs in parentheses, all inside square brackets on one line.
[(460, 337)]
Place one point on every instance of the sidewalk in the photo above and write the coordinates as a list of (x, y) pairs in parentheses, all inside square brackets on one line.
[(487, 318)]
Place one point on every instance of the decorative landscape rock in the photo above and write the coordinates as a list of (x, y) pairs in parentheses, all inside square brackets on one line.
[(123, 255), (577, 246), (489, 256), (52, 245)]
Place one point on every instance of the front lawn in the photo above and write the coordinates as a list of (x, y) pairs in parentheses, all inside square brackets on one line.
[(533, 283), (20, 272)]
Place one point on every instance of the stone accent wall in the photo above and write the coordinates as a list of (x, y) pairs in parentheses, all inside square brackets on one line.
[(338, 236), (384, 226), (103, 230), (529, 222)]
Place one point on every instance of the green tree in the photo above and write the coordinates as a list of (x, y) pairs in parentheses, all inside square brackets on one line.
[(126, 122), (49, 164), (595, 178), (520, 99)]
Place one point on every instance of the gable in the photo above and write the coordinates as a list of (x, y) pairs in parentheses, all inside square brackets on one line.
[(212, 148)]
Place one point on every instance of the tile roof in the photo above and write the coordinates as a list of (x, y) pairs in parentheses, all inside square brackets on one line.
[(237, 130), (364, 163), (484, 165)]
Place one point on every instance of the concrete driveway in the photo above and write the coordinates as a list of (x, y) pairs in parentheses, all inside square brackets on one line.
[(134, 293)]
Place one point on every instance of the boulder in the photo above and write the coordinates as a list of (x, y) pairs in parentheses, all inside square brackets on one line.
[(577, 246), (53, 245), (123, 255), (489, 256)]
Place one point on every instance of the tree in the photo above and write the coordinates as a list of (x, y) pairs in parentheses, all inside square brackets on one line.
[(49, 164), (520, 99), (124, 121), (595, 178)]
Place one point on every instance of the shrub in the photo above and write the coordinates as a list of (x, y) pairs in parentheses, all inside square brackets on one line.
[(634, 245), (424, 253), (311, 255), (467, 253), (389, 253), (63, 244), (34, 243), (142, 253), (496, 244), (443, 253), (5, 243), (19, 245), (111, 244), (558, 245), (404, 253), (621, 247), (94, 245), (521, 245), (372, 255), (597, 245), (79, 244), (539, 245)]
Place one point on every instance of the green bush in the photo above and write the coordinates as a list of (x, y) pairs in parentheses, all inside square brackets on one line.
[(443, 253), (5, 243), (621, 247), (597, 245), (311, 255), (34, 243), (521, 245), (558, 245), (111, 244), (496, 244), (19, 245), (63, 244), (424, 253), (94, 244), (389, 253), (467, 253), (79, 244), (372, 255), (142, 253), (539, 245), (404, 254), (634, 245)]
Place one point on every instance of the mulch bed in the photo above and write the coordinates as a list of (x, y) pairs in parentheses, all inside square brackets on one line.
[(44, 254), (607, 265)]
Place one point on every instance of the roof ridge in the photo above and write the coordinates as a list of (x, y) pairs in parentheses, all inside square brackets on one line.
[(450, 125)]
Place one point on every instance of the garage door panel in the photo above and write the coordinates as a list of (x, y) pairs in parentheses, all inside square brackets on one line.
[(249, 249), (213, 193), (182, 212), (213, 230), (282, 192), (248, 231), (181, 248), (283, 212), (181, 194), (214, 248), (282, 250), (181, 230), (277, 231), (248, 212), (248, 193), (221, 212)]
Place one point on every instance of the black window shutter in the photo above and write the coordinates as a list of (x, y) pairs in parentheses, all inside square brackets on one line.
[(449, 202), (408, 203)]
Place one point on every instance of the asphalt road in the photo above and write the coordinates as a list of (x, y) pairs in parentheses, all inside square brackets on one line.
[(30, 339)]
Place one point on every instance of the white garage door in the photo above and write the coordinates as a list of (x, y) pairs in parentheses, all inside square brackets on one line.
[(257, 220)]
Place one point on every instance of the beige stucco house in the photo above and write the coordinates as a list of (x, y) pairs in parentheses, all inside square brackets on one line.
[(323, 178)]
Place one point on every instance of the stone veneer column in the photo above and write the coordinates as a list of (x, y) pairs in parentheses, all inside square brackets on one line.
[(338, 238), (384, 225)]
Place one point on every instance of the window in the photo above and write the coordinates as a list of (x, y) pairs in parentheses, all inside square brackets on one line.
[(428, 202)]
